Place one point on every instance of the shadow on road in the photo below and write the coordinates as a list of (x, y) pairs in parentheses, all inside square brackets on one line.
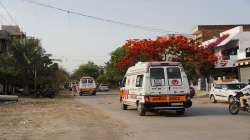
[(208, 111), (195, 111), (211, 111), (106, 93), (102, 94)]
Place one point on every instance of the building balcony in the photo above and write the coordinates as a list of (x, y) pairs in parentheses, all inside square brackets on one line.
[(226, 63)]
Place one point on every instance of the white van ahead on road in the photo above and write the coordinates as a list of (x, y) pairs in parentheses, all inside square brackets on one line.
[(87, 86), (156, 86)]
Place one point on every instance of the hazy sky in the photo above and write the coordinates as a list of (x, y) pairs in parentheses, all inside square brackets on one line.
[(76, 39)]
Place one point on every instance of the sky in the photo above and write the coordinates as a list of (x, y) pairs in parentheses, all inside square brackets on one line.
[(76, 40)]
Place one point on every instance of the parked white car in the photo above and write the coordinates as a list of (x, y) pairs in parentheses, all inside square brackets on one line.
[(103, 87), (225, 92)]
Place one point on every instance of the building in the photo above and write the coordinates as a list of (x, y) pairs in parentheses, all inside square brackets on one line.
[(14, 31), (4, 41), (203, 33), (7, 34), (233, 54), (243, 66)]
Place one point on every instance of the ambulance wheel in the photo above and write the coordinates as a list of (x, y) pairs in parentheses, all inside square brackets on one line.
[(124, 107), (94, 93), (180, 112), (141, 109)]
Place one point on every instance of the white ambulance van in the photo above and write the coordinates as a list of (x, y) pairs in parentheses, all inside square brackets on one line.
[(156, 86), (87, 86)]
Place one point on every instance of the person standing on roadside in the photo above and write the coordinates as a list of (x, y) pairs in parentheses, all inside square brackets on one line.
[(74, 89)]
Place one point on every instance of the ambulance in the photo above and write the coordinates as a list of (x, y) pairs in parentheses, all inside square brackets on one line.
[(87, 85), (156, 86)]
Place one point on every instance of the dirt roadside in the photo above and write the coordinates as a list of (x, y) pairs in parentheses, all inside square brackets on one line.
[(56, 119)]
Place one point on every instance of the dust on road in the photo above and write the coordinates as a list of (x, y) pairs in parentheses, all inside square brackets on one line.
[(55, 119), (203, 120), (100, 117)]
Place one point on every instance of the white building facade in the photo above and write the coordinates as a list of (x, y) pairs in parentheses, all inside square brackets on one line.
[(233, 53)]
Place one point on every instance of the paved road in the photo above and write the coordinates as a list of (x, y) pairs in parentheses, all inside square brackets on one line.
[(204, 121)]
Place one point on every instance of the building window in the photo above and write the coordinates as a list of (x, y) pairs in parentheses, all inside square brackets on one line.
[(228, 52), (248, 52)]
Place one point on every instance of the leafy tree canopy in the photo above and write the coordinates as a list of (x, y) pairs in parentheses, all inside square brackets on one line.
[(89, 69), (197, 60)]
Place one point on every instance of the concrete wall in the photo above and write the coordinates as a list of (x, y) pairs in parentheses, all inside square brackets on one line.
[(244, 74)]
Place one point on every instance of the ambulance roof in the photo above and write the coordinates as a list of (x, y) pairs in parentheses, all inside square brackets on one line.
[(142, 67), (87, 77)]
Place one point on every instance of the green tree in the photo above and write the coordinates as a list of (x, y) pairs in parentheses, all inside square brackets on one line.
[(8, 71), (103, 78), (89, 69), (26, 64), (30, 59), (113, 74), (59, 76)]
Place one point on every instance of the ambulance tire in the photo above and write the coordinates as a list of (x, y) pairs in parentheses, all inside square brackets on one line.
[(124, 107), (141, 109), (180, 112)]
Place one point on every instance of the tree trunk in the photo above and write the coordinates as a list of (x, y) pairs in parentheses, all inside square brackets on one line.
[(4, 87), (25, 77), (26, 86)]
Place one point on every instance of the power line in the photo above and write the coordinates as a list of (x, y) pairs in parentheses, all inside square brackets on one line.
[(3, 19), (8, 13), (147, 28)]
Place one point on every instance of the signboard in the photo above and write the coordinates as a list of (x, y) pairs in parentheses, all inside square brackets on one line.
[(158, 82), (175, 82)]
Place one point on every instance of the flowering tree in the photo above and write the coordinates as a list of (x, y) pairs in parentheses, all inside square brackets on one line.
[(138, 50), (197, 60)]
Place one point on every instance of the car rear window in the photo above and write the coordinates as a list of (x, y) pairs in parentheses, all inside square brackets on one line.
[(157, 73), (173, 73), (90, 81), (157, 76), (84, 81), (104, 84)]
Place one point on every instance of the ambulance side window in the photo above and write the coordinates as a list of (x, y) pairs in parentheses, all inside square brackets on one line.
[(123, 84), (128, 81), (139, 80)]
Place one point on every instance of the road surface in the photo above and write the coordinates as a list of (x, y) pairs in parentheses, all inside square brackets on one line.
[(204, 120)]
